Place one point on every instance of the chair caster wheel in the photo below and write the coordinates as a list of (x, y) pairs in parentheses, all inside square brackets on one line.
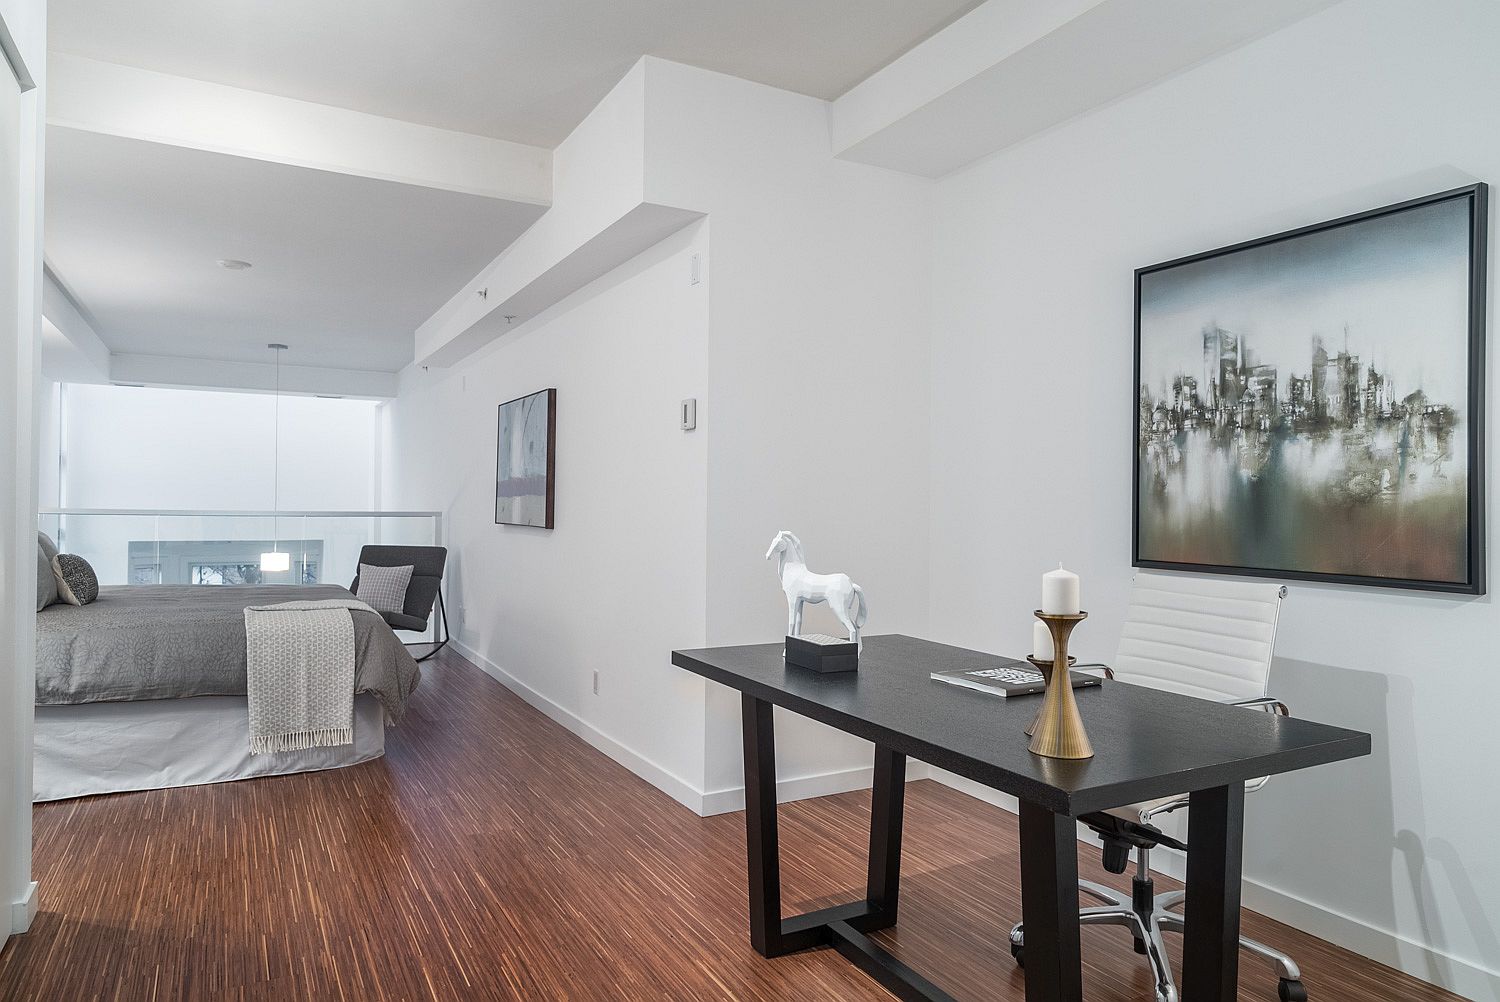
[(1018, 953), (1291, 991), (1140, 946)]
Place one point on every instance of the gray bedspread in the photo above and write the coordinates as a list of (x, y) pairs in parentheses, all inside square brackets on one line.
[(169, 641)]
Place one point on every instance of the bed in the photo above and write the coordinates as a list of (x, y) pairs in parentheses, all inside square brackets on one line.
[(144, 688)]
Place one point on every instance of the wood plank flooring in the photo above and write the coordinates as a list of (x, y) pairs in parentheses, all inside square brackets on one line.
[(493, 855)]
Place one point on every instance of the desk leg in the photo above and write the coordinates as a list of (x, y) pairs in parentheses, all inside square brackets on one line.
[(887, 805), (761, 846), (843, 926), (1049, 906), (1211, 938)]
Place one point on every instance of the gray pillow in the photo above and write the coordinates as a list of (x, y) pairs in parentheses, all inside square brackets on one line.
[(46, 582), (384, 588), (77, 584)]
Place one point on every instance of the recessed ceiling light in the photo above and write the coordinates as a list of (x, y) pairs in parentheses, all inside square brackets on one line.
[(233, 265)]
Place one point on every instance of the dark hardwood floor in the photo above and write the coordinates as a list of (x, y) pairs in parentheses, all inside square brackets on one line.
[(492, 855)]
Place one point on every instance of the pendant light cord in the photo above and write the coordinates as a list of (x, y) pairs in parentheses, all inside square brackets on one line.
[(276, 456), (276, 459)]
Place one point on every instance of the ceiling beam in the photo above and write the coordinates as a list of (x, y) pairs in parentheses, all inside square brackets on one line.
[(71, 349), (1011, 69), (255, 377), (601, 220), (123, 101)]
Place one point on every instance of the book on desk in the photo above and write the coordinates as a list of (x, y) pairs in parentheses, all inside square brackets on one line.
[(1010, 678)]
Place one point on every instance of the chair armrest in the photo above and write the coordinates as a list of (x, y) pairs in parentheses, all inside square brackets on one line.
[(1109, 672), (1268, 703), (1167, 808)]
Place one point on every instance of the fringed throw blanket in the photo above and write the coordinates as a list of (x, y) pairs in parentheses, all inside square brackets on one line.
[(300, 674)]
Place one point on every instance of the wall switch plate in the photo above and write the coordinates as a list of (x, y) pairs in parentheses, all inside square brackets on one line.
[(596, 682), (688, 413), (695, 269)]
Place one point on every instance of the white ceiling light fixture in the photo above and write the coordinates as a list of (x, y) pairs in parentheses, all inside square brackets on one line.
[(276, 561), (234, 264)]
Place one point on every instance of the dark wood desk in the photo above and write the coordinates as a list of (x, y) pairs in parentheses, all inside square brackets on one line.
[(1148, 744)]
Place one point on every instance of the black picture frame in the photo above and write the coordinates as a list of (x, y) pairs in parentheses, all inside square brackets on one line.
[(550, 395), (1477, 196)]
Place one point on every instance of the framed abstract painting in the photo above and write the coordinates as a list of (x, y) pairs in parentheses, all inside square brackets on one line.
[(526, 460), (1310, 405)]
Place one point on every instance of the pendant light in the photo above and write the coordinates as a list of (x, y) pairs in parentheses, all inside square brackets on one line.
[(276, 561)]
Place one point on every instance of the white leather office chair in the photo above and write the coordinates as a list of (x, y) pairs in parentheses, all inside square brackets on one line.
[(1208, 638)]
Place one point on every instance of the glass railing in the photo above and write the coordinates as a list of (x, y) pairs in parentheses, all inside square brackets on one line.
[(224, 547)]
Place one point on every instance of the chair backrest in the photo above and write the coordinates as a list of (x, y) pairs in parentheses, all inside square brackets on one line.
[(427, 563), (1200, 637)]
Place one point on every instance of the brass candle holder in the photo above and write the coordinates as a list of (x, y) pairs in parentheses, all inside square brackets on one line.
[(1045, 667), (1057, 731)]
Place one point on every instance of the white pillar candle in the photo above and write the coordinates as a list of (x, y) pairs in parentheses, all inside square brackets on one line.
[(1041, 642), (1060, 592)]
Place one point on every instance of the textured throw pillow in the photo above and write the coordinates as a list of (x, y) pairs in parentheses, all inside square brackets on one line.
[(76, 582), (384, 588), (46, 581)]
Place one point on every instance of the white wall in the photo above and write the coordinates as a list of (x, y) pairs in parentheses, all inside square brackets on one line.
[(620, 581), (1364, 104), (149, 448), (142, 447), (21, 201), (818, 361)]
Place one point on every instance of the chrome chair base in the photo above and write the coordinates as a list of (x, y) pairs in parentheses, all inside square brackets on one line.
[(1147, 927)]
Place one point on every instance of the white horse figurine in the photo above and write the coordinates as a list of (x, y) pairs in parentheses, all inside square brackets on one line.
[(801, 585)]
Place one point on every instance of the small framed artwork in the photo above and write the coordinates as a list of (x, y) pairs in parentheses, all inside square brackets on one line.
[(1310, 405), (526, 460)]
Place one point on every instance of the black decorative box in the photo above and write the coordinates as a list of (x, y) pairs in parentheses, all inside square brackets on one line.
[(822, 653)]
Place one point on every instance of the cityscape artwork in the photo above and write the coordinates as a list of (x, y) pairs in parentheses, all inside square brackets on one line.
[(526, 460), (1309, 405)]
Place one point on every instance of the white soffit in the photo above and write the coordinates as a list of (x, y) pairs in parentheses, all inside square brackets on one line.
[(345, 268), (88, 95), (1013, 68), (513, 301)]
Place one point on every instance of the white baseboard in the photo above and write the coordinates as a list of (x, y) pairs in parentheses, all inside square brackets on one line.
[(1457, 975), (1380, 945), (22, 912), (673, 786), (824, 784), (702, 803)]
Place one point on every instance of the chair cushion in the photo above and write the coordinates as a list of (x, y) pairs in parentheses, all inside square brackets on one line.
[(383, 588), (77, 584), (46, 581), (401, 621)]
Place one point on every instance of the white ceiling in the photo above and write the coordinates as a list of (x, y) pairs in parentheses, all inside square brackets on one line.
[(345, 268), (523, 70)]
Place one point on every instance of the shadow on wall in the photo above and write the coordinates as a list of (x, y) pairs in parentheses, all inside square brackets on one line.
[(1353, 799), (1454, 875), (454, 587)]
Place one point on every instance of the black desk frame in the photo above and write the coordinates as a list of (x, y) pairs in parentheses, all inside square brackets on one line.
[(1049, 885)]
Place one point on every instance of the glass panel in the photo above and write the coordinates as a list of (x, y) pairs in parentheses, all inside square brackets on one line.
[(225, 549)]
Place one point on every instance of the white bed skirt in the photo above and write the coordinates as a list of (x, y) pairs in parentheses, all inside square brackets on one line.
[(154, 744)]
